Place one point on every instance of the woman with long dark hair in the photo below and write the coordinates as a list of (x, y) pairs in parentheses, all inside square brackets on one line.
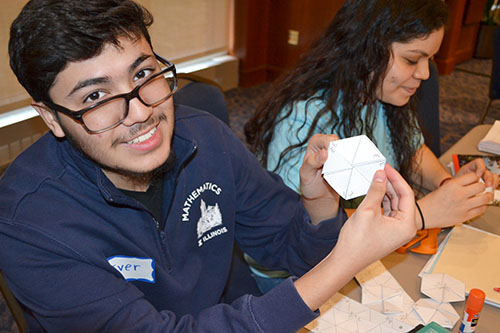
[(359, 78)]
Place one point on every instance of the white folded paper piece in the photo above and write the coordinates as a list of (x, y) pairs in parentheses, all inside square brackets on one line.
[(342, 314), (381, 292), (442, 313), (442, 287), (351, 164), (491, 142)]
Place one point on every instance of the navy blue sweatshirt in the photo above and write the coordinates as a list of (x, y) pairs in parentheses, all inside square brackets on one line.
[(81, 256)]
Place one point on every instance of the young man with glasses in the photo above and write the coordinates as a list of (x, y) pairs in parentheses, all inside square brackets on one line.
[(117, 220)]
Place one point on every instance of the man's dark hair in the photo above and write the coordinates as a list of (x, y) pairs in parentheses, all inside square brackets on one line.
[(48, 34)]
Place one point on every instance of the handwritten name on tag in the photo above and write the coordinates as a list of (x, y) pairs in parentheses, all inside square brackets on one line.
[(133, 268)]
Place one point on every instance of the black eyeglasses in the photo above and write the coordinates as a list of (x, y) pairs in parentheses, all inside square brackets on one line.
[(112, 111)]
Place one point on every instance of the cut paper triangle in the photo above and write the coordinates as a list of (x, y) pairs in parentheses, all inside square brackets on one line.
[(359, 186), (336, 163), (367, 152), (347, 147), (340, 181), (367, 171)]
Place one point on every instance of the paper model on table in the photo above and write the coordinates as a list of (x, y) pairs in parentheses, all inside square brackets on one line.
[(442, 287), (342, 314), (351, 164), (442, 313), (381, 292)]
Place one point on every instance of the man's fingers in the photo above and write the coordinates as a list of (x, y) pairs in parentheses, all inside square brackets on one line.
[(376, 192), (404, 192), (392, 196)]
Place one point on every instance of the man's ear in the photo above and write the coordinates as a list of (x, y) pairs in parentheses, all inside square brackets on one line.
[(49, 118)]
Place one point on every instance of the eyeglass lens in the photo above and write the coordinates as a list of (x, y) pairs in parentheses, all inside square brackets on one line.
[(114, 111)]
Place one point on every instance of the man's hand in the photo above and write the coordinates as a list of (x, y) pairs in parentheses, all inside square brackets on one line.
[(367, 236), (319, 199), (370, 235)]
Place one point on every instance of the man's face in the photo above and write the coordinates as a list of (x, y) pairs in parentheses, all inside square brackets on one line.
[(409, 65), (142, 142)]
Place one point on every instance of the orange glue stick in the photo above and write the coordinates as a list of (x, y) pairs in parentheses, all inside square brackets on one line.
[(473, 307)]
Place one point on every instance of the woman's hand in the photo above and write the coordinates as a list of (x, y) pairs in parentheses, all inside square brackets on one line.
[(319, 199), (459, 199), (478, 167)]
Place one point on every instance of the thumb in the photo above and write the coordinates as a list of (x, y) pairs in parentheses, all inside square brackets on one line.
[(376, 192)]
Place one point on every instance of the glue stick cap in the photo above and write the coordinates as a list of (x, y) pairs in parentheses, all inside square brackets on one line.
[(475, 300)]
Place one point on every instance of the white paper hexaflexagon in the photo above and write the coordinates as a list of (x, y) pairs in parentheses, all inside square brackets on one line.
[(442, 287), (351, 164)]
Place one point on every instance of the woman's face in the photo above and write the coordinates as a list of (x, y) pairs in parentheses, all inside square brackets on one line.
[(408, 66)]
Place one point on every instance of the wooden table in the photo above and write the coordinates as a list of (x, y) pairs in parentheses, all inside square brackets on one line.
[(406, 267)]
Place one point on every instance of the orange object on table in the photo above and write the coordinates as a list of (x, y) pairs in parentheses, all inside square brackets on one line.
[(428, 245), (421, 234)]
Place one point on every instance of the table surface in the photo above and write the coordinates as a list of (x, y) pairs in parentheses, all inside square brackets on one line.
[(406, 267)]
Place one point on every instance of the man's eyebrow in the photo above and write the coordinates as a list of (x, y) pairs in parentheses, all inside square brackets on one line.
[(138, 61), (105, 79), (88, 82)]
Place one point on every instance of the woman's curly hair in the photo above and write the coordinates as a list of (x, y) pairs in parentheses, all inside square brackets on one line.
[(351, 58)]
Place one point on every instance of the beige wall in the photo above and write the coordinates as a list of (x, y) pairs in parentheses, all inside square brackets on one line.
[(183, 30), (10, 90)]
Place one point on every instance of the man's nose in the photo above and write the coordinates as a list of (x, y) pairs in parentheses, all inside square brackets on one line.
[(138, 112)]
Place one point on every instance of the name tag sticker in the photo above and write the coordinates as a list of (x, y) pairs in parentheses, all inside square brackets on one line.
[(133, 268)]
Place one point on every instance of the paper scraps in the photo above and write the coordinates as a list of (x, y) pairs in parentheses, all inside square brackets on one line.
[(387, 307)]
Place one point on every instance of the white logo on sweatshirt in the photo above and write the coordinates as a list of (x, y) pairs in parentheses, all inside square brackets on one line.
[(197, 192), (210, 218)]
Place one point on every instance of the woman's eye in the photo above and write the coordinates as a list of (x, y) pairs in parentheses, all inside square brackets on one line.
[(411, 62), (96, 95), (143, 73)]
